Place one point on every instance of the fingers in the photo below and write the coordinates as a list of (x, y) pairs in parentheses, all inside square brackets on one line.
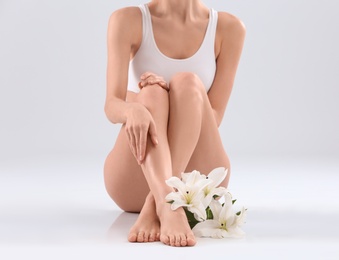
[(152, 81), (147, 75), (153, 133), (137, 137), (131, 140), (137, 146), (150, 78), (142, 144)]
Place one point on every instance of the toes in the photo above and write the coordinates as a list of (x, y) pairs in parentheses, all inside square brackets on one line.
[(165, 239), (141, 237), (183, 241), (132, 237), (191, 240), (146, 237), (151, 238), (172, 240), (178, 240), (157, 237)]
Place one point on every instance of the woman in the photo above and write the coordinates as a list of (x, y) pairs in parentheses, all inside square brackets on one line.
[(171, 68)]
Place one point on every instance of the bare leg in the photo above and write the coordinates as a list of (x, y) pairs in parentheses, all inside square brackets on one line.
[(126, 184), (201, 149), (193, 134), (185, 121), (157, 168)]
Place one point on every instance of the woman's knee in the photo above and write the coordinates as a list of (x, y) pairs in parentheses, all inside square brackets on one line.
[(187, 84), (153, 97)]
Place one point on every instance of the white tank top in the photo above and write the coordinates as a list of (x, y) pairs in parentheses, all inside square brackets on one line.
[(150, 58)]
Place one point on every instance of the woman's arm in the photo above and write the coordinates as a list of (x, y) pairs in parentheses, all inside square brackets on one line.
[(124, 28), (123, 38), (230, 40)]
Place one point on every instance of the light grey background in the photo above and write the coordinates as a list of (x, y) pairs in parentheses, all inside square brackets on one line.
[(280, 129), (53, 66)]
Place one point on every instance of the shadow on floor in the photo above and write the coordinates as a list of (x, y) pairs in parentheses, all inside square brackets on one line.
[(120, 227)]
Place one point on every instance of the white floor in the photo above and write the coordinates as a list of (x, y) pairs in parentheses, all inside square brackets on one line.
[(54, 207)]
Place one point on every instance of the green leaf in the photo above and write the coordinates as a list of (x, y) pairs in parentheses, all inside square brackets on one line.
[(191, 219), (209, 213)]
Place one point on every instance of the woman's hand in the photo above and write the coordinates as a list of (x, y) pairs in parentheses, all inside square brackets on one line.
[(138, 125), (149, 78)]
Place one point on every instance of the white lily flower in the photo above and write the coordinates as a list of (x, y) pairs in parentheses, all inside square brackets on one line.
[(216, 176), (192, 177), (188, 194), (225, 222)]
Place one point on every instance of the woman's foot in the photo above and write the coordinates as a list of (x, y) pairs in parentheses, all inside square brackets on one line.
[(147, 226), (175, 230)]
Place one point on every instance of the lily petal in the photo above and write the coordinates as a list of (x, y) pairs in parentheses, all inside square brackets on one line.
[(172, 196), (228, 199), (240, 220), (193, 178), (217, 175), (220, 191), (199, 212), (175, 182), (236, 232), (216, 208), (206, 201), (177, 204), (207, 228), (227, 215)]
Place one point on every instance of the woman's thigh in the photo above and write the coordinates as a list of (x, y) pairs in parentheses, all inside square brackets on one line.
[(124, 179)]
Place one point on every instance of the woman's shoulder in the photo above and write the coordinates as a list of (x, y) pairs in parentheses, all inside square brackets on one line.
[(231, 32), (126, 15), (230, 23), (126, 24)]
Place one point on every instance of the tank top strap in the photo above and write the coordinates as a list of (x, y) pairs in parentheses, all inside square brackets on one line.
[(146, 22), (212, 28)]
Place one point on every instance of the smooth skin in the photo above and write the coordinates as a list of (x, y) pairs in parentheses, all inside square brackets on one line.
[(165, 133)]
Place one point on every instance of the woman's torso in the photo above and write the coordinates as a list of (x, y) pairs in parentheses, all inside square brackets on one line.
[(165, 48)]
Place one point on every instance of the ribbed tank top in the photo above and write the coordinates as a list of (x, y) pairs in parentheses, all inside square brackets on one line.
[(150, 58)]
